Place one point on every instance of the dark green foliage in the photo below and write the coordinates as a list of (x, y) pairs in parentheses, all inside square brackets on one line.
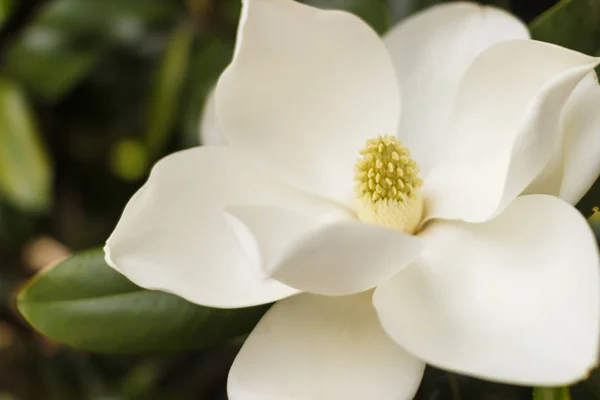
[(86, 304)]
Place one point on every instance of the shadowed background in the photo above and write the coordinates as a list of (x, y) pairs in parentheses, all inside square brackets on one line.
[(92, 93)]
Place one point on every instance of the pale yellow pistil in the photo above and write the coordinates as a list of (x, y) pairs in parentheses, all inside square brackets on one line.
[(388, 185)]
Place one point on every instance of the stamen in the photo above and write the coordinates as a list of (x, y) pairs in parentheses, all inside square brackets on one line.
[(388, 185)]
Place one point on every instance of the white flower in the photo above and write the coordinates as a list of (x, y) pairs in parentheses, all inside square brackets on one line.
[(486, 269)]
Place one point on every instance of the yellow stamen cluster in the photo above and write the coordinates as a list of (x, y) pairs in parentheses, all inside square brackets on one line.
[(388, 185)]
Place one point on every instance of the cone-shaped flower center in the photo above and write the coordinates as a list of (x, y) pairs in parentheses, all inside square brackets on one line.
[(388, 185)]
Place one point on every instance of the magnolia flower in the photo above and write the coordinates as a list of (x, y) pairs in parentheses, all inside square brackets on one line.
[(445, 235)]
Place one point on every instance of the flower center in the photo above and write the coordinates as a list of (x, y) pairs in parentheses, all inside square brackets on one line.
[(388, 185)]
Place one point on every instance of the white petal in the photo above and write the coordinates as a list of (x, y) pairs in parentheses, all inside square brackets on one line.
[(313, 347), (333, 257), (305, 90), (514, 299), (210, 130), (505, 127), (431, 51), (550, 178), (173, 234), (578, 144), (267, 232), (582, 142)]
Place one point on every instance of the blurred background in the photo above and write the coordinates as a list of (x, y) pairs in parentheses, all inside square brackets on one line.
[(92, 93)]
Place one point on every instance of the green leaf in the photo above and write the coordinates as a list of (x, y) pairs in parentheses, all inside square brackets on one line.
[(574, 24), (6, 9), (86, 304), (67, 39), (402, 9), (167, 88), (557, 393), (123, 21), (25, 172), (372, 12), (47, 64)]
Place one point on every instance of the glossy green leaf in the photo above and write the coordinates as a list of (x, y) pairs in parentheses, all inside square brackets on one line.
[(25, 171), (372, 12), (557, 393), (168, 88), (574, 24), (84, 303)]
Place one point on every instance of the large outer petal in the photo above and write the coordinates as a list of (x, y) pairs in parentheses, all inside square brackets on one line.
[(304, 91), (506, 124), (582, 141), (313, 347), (173, 234), (334, 258), (431, 51), (514, 299)]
